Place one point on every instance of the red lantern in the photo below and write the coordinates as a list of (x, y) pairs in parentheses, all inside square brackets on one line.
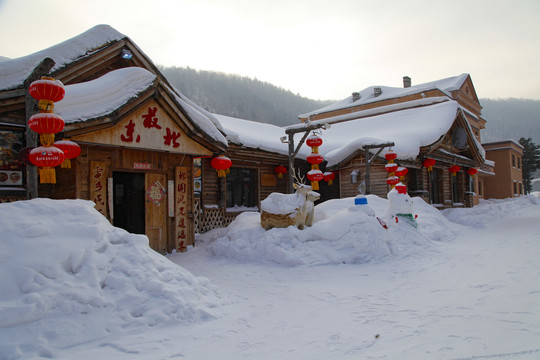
[(472, 171), (454, 169), (314, 141), (221, 163), (280, 170), (401, 188), (315, 158), (392, 181), (401, 172), (391, 167), (47, 91), (315, 175), (429, 163), (329, 177), (71, 150), (46, 124), (390, 156), (46, 158)]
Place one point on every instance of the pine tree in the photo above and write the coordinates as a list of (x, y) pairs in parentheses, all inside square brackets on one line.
[(530, 161)]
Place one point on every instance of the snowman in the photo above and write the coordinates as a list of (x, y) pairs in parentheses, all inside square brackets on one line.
[(400, 205)]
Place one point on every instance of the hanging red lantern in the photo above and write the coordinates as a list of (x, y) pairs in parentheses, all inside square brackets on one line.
[(46, 124), (329, 177), (280, 170), (221, 163), (429, 163), (454, 169), (401, 172), (315, 175), (391, 167), (401, 188), (71, 150), (46, 158), (314, 141), (315, 158), (390, 156), (472, 171), (47, 91), (392, 181)]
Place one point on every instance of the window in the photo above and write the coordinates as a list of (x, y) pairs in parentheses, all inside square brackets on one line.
[(515, 188), (242, 188), (519, 162), (513, 160), (456, 198), (11, 170), (434, 181), (520, 188)]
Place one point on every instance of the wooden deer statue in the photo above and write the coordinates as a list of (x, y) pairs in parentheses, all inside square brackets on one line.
[(283, 210)]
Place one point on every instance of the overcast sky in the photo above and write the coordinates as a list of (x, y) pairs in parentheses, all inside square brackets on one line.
[(320, 49)]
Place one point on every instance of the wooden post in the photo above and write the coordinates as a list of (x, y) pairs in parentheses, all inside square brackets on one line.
[(40, 70)]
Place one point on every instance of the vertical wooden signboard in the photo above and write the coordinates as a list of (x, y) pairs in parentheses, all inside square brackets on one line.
[(98, 185), (183, 236)]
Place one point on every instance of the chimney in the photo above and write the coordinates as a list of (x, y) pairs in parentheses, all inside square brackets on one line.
[(355, 96), (406, 82), (377, 91)]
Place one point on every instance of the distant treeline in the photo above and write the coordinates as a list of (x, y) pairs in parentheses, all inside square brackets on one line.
[(251, 99), (240, 97)]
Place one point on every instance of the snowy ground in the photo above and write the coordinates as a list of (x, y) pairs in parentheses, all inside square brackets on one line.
[(464, 285)]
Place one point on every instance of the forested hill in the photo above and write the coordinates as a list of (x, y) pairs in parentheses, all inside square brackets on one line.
[(511, 119), (240, 97), (252, 99)]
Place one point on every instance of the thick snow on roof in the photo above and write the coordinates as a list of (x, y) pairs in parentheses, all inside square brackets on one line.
[(368, 94), (14, 71), (104, 95), (256, 135), (409, 129)]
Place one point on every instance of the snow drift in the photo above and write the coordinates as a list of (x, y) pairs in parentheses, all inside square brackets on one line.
[(64, 270)]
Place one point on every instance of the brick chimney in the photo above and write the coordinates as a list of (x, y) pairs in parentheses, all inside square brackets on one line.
[(355, 96), (406, 82)]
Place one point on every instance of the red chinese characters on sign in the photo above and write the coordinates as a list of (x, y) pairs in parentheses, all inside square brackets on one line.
[(130, 129), (171, 138), (150, 120), (181, 209), (150, 129), (98, 188)]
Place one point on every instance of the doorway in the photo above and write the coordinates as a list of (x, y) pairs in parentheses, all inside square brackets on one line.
[(129, 203)]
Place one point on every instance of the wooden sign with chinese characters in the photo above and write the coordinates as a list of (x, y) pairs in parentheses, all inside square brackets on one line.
[(98, 185), (148, 128), (183, 236)]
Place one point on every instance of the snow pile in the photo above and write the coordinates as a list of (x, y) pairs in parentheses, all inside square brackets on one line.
[(342, 233), (489, 210), (65, 270)]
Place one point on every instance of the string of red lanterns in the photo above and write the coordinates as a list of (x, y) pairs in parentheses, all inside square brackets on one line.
[(391, 168), (47, 156), (454, 169), (429, 163), (314, 175)]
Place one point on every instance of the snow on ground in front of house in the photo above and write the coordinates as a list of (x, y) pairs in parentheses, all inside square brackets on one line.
[(67, 276), (464, 285)]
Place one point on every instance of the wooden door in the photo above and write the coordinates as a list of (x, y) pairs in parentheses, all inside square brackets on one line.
[(156, 211)]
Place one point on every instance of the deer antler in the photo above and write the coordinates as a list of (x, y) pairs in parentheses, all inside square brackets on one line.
[(300, 180)]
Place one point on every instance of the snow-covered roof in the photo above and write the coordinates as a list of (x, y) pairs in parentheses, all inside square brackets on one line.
[(408, 129), (256, 135), (368, 94), (103, 96), (13, 72)]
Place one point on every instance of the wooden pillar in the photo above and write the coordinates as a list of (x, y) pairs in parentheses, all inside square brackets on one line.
[(42, 69)]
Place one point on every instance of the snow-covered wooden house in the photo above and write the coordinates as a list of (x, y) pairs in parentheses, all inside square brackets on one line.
[(440, 120), (139, 136)]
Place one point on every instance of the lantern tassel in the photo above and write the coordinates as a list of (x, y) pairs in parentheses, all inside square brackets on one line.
[(330, 182), (47, 175), (221, 173), (46, 139), (66, 164), (315, 185)]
